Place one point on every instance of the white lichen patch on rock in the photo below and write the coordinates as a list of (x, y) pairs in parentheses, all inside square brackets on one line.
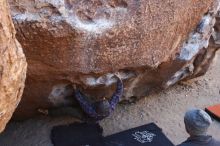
[(107, 79), (27, 17), (200, 38), (59, 94), (40, 13), (96, 26)]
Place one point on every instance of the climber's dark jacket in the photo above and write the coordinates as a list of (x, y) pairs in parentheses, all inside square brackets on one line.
[(200, 141)]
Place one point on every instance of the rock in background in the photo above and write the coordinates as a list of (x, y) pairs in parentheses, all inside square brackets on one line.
[(152, 44), (12, 67)]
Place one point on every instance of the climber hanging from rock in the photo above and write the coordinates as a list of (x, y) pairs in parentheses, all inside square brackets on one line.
[(96, 111), (100, 109)]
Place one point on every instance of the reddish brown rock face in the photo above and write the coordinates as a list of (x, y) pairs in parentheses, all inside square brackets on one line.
[(12, 67), (79, 42), (93, 36)]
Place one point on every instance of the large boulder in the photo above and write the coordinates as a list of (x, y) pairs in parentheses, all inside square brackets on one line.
[(12, 67), (152, 44)]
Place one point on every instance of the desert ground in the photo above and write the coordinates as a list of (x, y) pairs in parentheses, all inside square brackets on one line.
[(166, 109)]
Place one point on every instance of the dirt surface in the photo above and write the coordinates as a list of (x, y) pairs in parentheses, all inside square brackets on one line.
[(166, 109)]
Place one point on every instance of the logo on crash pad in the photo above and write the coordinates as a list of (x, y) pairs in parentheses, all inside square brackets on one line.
[(144, 136)]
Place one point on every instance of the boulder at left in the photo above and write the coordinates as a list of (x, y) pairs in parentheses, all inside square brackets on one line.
[(12, 67)]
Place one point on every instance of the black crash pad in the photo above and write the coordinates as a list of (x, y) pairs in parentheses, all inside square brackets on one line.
[(147, 135), (82, 134), (77, 134)]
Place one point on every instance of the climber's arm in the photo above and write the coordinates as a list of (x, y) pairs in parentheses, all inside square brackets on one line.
[(85, 104), (117, 95)]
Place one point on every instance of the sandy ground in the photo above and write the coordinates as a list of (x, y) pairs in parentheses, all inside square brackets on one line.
[(166, 109)]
